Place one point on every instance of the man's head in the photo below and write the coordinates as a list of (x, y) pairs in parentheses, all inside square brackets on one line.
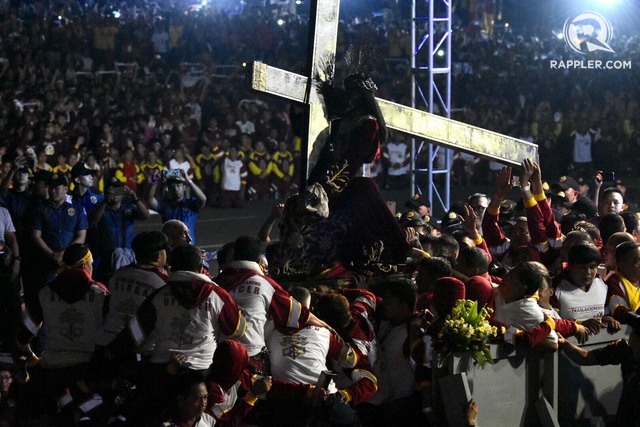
[(58, 186), (448, 248), (177, 233), (283, 147), (78, 256), (479, 203), (6, 378), (628, 261), (114, 191), (186, 258), (175, 189), (545, 293), (632, 224), (570, 187), (609, 224), (41, 179), (472, 261), (573, 238), (234, 152), (420, 205), (583, 262), (302, 295), (590, 229), (247, 248), (609, 249), (429, 270), (523, 281), (399, 300), (150, 247), (414, 220), (82, 175), (21, 177), (333, 308), (611, 202), (520, 233), (191, 395), (225, 255)]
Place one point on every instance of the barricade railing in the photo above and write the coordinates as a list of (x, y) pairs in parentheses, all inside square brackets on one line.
[(529, 388)]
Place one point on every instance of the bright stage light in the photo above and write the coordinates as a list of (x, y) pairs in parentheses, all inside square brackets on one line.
[(440, 53), (281, 22)]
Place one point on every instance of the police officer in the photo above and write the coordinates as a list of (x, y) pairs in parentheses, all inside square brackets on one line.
[(57, 223), (113, 222), (83, 192), (177, 204)]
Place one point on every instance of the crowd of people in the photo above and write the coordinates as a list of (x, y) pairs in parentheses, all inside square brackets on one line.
[(111, 111)]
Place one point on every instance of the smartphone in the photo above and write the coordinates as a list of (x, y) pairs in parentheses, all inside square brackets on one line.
[(608, 176), (515, 181)]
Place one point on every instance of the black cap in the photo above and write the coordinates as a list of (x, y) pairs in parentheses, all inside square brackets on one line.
[(567, 182), (81, 169), (451, 223), (507, 207), (58, 179), (412, 219), (42, 175), (560, 199), (417, 201), (114, 183)]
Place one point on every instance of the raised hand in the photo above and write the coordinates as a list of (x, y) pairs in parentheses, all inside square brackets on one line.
[(503, 181), (469, 220), (528, 169)]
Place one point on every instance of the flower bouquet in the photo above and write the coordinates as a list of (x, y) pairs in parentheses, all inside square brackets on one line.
[(467, 329)]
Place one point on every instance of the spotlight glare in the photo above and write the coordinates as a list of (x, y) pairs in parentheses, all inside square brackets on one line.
[(440, 53), (204, 2), (506, 25), (298, 2), (281, 22)]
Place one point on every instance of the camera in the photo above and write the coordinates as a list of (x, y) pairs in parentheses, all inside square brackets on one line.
[(172, 174)]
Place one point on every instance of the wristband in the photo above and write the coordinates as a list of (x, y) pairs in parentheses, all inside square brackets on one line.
[(250, 399), (17, 258), (526, 187), (540, 197)]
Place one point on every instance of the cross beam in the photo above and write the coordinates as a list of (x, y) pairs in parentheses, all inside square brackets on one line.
[(323, 35), (414, 122)]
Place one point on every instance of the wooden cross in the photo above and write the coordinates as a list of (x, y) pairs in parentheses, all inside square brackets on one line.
[(323, 34)]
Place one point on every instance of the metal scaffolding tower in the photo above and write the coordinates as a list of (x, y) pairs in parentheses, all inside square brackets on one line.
[(431, 89)]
